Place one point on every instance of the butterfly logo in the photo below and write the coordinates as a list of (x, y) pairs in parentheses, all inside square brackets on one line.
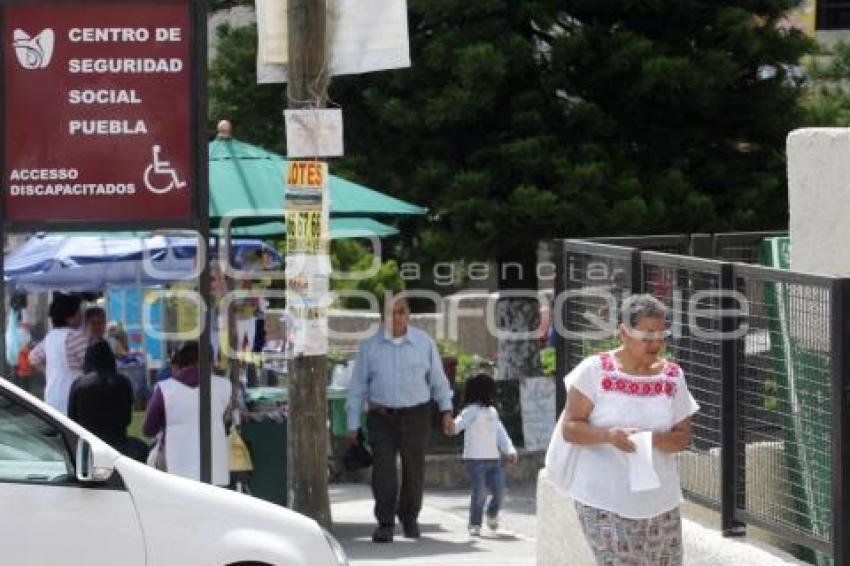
[(33, 52)]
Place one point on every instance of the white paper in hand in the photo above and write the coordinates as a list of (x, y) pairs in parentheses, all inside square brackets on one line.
[(642, 476)]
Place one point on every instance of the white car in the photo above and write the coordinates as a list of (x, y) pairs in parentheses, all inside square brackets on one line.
[(68, 498)]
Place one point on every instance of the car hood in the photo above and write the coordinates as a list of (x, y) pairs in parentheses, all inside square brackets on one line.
[(188, 522)]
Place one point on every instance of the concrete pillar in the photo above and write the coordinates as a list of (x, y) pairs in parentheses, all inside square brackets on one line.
[(819, 200)]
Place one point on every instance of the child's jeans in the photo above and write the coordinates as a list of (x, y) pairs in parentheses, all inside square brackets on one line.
[(485, 476)]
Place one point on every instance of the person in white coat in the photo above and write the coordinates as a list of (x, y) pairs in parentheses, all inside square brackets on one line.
[(60, 355), (175, 409)]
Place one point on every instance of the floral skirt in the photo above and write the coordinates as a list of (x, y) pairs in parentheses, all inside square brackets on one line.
[(616, 541)]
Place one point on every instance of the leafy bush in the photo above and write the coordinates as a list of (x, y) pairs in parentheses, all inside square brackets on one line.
[(467, 364), (449, 349), (472, 364), (548, 361), (351, 256)]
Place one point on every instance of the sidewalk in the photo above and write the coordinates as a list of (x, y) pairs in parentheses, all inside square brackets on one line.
[(444, 530), (445, 539)]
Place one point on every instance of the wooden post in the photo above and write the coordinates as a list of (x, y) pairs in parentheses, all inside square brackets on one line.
[(307, 88), (308, 54)]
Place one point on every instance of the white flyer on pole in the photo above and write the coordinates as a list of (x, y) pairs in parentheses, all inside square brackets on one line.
[(308, 289), (309, 327), (310, 335), (313, 133), (308, 265)]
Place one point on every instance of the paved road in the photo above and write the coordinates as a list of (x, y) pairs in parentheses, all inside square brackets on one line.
[(444, 530)]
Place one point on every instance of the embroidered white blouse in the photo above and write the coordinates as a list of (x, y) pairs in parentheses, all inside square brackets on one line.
[(646, 402)]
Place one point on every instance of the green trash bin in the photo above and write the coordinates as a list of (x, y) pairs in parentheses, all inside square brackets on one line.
[(266, 441), (338, 414), (339, 419)]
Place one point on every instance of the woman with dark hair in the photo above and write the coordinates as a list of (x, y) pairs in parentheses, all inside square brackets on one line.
[(484, 441), (630, 399), (60, 354), (102, 399), (175, 410)]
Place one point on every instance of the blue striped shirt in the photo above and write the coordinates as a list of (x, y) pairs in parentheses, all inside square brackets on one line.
[(397, 375)]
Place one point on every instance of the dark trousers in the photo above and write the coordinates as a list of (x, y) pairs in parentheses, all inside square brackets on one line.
[(390, 434), (21, 381)]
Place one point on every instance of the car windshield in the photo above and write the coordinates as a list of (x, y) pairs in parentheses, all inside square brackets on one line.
[(31, 449)]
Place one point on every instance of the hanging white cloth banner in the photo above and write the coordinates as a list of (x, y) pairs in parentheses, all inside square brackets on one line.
[(272, 34), (366, 36)]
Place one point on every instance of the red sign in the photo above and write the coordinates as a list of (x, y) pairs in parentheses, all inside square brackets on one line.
[(98, 111)]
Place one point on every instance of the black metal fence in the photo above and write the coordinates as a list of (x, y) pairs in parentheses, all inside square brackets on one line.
[(766, 353), (727, 246)]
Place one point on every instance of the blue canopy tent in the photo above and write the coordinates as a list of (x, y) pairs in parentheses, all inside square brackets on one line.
[(90, 263)]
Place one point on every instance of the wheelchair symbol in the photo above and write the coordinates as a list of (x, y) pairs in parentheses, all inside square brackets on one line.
[(160, 176)]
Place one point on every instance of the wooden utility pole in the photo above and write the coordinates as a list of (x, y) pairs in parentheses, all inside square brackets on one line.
[(308, 407)]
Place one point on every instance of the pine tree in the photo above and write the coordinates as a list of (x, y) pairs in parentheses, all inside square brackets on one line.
[(545, 118), (467, 130), (691, 99), (826, 102), (523, 120)]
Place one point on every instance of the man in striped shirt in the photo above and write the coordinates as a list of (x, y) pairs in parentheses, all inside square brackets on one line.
[(60, 355)]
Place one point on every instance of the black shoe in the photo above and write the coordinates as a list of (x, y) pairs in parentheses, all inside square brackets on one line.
[(411, 529), (383, 534)]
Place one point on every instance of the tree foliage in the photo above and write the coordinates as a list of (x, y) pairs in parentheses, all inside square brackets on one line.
[(688, 101), (522, 120), (254, 110), (827, 99), (466, 130), (353, 257)]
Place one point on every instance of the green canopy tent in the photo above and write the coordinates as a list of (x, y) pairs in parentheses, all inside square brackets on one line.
[(247, 183), (341, 229)]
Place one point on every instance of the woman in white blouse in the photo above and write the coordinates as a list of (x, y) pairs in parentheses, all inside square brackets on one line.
[(628, 412)]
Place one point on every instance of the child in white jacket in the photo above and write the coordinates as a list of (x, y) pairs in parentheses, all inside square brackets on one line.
[(484, 442)]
